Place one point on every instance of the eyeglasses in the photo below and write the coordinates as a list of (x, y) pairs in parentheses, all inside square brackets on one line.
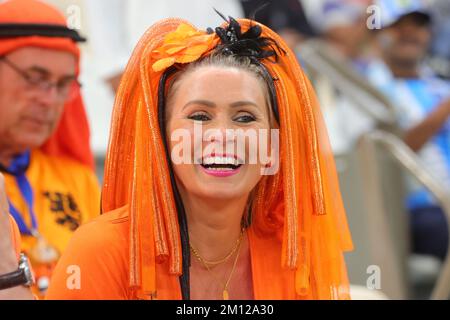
[(66, 88)]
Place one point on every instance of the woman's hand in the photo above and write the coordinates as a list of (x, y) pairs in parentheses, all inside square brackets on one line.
[(8, 259), (8, 262)]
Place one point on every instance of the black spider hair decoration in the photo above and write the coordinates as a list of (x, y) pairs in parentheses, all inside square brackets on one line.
[(252, 45), (247, 44)]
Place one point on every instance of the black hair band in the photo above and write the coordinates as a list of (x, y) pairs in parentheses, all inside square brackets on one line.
[(182, 219), (15, 30)]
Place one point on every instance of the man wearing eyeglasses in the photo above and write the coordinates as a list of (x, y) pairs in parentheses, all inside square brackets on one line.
[(44, 138)]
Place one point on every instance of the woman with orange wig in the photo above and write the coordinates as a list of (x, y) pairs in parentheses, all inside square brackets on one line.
[(214, 225)]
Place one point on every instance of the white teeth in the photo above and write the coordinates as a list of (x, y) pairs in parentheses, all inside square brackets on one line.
[(220, 160), (220, 169)]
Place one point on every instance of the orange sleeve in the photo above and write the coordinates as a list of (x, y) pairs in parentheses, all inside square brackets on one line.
[(94, 265), (15, 236)]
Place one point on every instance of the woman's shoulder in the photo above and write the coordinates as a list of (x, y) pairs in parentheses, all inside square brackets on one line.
[(109, 228), (116, 218), (98, 253)]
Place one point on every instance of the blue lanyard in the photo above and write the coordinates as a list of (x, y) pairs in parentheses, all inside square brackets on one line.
[(17, 168)]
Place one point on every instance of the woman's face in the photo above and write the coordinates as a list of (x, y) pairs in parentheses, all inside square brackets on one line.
[(211, 157)]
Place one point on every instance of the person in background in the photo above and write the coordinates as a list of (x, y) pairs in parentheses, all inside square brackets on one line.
[(439, 58), (423, 109), (45, 155), (287, 17), (341, 26)]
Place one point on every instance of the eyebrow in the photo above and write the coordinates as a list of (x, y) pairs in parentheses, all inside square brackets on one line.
[(44, 72), (211, 104)]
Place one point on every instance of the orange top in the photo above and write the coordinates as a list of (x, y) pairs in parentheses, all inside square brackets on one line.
[(100, 249), (66, 194)]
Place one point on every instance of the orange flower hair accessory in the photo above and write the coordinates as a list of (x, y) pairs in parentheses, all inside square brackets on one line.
[(184, 45)]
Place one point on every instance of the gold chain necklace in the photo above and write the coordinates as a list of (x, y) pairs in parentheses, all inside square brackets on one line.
[(216, 262), (225, 293)]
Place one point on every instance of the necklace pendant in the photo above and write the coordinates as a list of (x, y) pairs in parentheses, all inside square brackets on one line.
[(225, 295)]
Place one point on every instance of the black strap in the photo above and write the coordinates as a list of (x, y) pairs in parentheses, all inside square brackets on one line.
[(182, 220), (13, 279), (13, 30)]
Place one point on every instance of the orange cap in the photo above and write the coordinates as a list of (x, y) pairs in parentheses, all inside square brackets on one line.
[(26, 14)]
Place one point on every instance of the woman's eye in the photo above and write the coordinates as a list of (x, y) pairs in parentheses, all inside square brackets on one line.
[(245, 118), (199, 117)]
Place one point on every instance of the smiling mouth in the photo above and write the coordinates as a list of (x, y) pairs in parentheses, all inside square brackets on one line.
[(221, 167), (221, 163)]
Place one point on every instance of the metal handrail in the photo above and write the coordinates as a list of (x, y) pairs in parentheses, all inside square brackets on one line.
[(409, 160)]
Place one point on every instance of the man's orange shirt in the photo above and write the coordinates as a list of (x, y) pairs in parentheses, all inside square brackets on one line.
[(66, 195)]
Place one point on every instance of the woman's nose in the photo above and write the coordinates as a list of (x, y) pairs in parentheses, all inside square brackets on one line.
[(221, 133)]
